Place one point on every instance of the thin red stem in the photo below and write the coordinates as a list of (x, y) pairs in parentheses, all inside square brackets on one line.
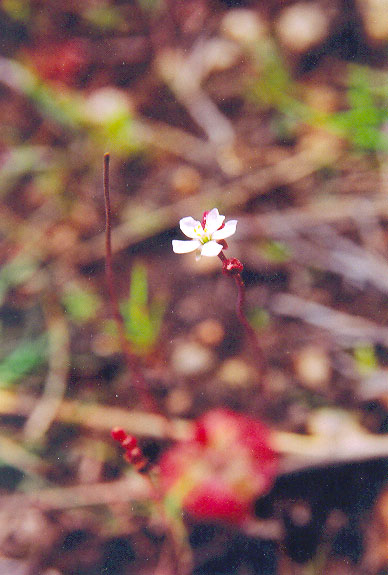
[(259, 354), (131, 360)]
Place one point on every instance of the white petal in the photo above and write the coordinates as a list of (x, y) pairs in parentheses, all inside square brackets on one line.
[(187, 226), (213, 221), (211, 249), (228, 230), (185, 247)]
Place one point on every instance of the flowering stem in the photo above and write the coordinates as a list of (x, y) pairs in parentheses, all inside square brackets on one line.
[(131, 360), (259, 354), (175, 530)]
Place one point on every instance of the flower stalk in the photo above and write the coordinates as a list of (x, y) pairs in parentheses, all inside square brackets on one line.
[(179, 552), (233, 268), (208, 238), (139, 381)]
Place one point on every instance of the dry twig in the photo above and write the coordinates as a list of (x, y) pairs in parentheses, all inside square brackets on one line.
[(347, 329), (44, 412)]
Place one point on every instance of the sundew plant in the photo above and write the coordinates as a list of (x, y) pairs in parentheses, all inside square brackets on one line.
[(197, 475)]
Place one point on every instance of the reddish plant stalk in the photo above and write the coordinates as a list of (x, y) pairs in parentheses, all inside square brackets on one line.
[(180, 551), (236, 274), (139, 381)]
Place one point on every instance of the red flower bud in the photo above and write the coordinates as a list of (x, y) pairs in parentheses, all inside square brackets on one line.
[(134, 455), (232, 267), (129, 442), (118, 434)]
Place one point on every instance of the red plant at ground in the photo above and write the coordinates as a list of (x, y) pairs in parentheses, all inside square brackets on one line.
[(59, 61), (223, 469)]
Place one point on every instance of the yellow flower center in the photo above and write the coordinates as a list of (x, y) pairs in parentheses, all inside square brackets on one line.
[(202, 234)]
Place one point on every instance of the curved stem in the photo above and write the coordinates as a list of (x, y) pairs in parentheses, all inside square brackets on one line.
[(131, 360), (258, 352)]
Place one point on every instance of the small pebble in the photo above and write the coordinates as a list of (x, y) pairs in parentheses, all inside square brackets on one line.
[(190, 359), (302, 26), (186, 181), (243, 26), (312, 366), (236, 373), (107, 104), (209, 332)]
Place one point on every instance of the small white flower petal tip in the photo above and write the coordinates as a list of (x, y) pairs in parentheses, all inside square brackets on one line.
[(205, 235), (185, 247)]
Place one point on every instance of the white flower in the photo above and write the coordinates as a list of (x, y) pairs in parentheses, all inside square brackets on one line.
[(204, 235)]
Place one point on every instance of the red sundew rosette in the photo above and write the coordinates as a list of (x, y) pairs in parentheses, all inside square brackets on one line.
[(59, 61), (223, 469)]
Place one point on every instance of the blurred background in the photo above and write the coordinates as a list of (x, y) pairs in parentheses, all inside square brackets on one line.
[(275, 112)]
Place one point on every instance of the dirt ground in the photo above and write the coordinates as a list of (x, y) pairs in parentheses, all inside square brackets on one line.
[(275, 112)]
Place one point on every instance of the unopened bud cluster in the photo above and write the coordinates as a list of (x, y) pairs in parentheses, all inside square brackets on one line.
[(133, 453), (232, 267)]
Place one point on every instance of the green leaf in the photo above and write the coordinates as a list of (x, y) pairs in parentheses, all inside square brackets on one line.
[(81, 304), (23, 359), (139, 285), (362, 124), (143, 319), (276, 252)]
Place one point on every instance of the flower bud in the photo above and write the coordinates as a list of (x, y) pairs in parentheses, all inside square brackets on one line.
[(129, 443), (118, 434), (232, 267)]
